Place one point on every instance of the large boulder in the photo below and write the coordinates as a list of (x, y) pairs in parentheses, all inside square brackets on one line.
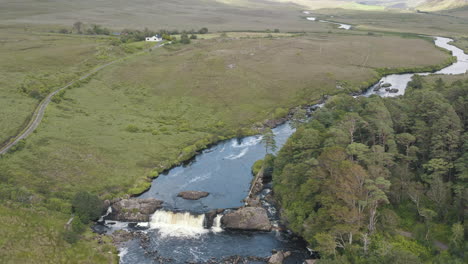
[(192, 195), (278, 257), (134, 210), (247, 218)]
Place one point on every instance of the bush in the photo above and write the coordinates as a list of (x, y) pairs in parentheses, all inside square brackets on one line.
[(87, 206), (203, 31), (70, 236), (132, 128), (184, 39), (19, 146), (256, 167), (193, 36), (64, 31)]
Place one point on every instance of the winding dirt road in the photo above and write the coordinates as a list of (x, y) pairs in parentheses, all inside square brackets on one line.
[(40, 110)]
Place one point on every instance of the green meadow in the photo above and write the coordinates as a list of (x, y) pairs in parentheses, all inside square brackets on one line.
[(143, 115), (35, 63), (113, 132)]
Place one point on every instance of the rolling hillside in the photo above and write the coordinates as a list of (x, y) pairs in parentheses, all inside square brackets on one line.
[(436, 5)]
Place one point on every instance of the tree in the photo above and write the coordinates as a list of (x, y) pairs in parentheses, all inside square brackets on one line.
[(193, 36), (457, 235), (299, 117), (203, 30), (269, 141), (77, 27), (87, 206), (184, 39), (326, 244)]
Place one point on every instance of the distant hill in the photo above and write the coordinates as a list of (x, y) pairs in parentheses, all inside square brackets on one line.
[(424, 5), (437, 5)]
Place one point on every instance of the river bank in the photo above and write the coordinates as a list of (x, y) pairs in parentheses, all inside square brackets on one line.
[(238, 149)]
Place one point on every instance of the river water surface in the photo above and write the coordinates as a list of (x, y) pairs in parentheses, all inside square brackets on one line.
[(224, 170)]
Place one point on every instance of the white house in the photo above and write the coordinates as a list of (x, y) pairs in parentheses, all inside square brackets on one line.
[(155, 38)]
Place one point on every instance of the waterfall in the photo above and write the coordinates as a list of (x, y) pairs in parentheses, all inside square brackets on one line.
[(216, 228), (109, 210), (178, 224)]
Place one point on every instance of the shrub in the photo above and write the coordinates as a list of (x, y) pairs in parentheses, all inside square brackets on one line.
[(193, 36), (257, 166), (70, 236), (132, 128), (87, 206), (184, 39), (203, 31)]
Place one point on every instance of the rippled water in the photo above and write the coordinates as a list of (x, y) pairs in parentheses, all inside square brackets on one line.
[(224, 171)]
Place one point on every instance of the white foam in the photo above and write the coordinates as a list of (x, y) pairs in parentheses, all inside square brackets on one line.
[(216, 228), (251, 141), (122, 253), (175, 224), (240, 155), (200, 178)]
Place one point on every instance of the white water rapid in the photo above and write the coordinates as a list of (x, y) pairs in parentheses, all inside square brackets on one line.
[(178, 224), (216, 228)]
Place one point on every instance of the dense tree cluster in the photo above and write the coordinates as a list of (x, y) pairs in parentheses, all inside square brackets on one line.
[(365, 172)]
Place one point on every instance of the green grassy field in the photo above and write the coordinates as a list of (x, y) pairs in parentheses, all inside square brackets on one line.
[(33, 64), (152, 111), (396, 21), (145, 114), (33, 235)]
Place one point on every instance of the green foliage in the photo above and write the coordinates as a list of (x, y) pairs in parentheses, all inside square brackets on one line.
[(87, 206), (366, 168), (132, 128), (257, 166), (268, 140), (70, 237), (184, 39), (203, 31)]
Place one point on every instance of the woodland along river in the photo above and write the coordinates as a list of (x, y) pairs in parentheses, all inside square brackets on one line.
[(177, 233)]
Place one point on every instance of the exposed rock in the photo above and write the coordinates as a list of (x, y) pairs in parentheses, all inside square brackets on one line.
[(192, 195), (393, 90), (276, 122), (210, 216), (278, 257), (253, 201), (121, 236), (247, 218), (310, 261), (386, 85), (134, 210)]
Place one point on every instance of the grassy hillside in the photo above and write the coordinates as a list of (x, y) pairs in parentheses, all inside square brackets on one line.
[(167, 14), (436, 5)]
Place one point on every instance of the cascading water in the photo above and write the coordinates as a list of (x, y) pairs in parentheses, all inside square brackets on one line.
[(224, 171), (178, 224), (217, 224)]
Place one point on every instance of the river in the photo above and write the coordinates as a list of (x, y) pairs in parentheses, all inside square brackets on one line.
[(177, 233)]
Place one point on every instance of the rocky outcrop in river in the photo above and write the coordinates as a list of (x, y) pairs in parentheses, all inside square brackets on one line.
[(192, 195), (278, 257), (247, 218), (134, 210)]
